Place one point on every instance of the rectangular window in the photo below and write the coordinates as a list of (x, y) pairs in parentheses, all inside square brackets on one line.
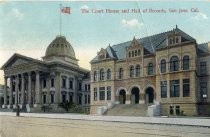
[(63, 98), (108, 93), (95, 94), (63, 83), (85, 87), (163, 89), (80, 86), (203, 90), (44, 83), (186, 87), (52, 98), (88, 99), (52, 82), (88, 87), (85, 99), (44, 98), (70, 84), (102, 93), (174, 88), (203, 68)]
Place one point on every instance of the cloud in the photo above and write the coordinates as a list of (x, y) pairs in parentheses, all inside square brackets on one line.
[(200, 16), (17, 14), (84, 7), (131, 23)]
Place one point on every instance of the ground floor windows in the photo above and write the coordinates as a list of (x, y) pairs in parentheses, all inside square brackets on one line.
[(163, 89), (102, 95), (174, 88), (63, 98), (52, 98), (174, 110), (203, 90), (44, 98), (95, 94)]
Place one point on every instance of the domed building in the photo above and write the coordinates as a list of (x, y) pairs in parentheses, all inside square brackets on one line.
[(37, 84)]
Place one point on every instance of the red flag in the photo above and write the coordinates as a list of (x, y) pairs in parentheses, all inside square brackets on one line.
[(65, 10)]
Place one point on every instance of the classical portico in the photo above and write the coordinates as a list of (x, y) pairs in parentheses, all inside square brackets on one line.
[(34, 83)]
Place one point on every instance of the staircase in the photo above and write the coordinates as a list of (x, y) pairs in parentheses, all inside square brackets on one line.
[(128, 110)]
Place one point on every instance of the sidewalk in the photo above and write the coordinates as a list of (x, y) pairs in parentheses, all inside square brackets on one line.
[(191, 121)]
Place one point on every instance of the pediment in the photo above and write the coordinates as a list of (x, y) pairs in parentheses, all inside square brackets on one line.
[(17, 60)]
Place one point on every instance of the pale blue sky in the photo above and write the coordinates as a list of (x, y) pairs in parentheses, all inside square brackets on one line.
[(29, 27)]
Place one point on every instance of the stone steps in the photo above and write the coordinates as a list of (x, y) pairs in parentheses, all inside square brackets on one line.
[(128, 110)]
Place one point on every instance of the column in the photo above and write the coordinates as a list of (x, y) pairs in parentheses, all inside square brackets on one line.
[(22, 91), (11, 93), (16, 90), (75, 90), (37, 88), (5, 92), (48, 89), (29, 89)]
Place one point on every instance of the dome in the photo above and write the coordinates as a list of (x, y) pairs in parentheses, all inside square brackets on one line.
[(60, 50), (60, 47)]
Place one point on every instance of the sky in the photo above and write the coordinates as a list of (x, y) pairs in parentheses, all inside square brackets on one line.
[(28, 27)]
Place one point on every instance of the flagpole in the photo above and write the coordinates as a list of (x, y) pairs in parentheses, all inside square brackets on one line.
[(60, 18)]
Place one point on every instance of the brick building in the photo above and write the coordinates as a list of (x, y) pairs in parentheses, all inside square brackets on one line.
[(170, 68)]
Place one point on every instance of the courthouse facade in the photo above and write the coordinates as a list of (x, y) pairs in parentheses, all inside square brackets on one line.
[(57, 78), (169, 68)]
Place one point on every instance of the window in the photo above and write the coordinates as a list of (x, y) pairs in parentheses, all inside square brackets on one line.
[(102, 93), (44, 98), (95, 94), (132, 53), (88, 87), (52, 82), (203, 90), (80, 99), (63, 98), (138, 71), (70, 84), (85, 99), (102, 74), (88, 99), (135, 52), (163, 66), (171, 110), (85, 87), (52, 98), (108, 74), (186, 87), (139, 52), (186, 63), (177, 110), (95, 76), (163, 89), (129, 54), (174, 63), (203, 68), (44, 83), (63, 83), (131, 71), (108, 93), (174, 88), (80, 86), (150, 69), (121, 73)]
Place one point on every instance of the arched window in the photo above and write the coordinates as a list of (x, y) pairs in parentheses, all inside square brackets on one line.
[(95, 76), (102, 74), (108, 74), (131, 71), (174, 63), (129, 54), (163, 66), (150, 69), (138, 71), (121, 73), (186, 62)]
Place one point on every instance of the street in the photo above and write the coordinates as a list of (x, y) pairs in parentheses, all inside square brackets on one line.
[(48, 127)]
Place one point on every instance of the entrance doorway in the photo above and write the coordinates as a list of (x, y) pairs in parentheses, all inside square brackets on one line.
[(149, 95), (122, 96), (135, 96)]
